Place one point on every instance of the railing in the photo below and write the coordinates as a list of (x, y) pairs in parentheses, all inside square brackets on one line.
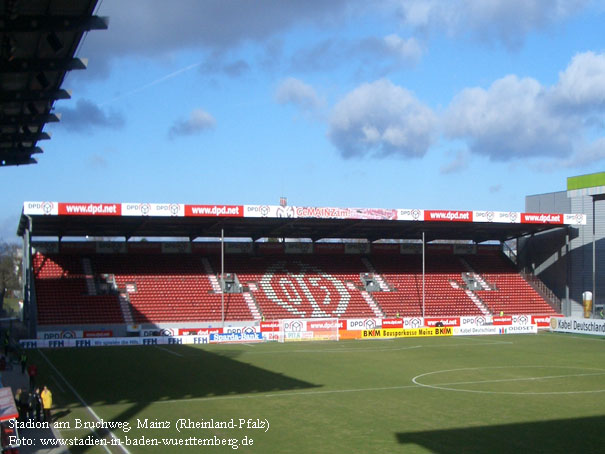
[(506, 249), (542, 289)]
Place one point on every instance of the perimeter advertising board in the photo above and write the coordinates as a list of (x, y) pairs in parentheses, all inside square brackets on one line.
[(595, 327), (393, 333)]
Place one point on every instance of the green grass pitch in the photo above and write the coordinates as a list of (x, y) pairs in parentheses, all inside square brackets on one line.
[(489, 394)]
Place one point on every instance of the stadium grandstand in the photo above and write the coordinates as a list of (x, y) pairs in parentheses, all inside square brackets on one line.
[(111, 269)]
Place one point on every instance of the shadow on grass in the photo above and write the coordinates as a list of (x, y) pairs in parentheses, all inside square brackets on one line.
[(149, 374), (560, 436), (140, 376)]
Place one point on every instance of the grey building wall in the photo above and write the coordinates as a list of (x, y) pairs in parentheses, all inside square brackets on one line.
[(552, 202), (567, 273)]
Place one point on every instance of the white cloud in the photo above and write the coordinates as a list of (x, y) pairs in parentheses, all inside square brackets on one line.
[(520, 118), (509, 120), (382, 119), (582, 84), (198, 121), (589, 155), (295, 91), (373, 55), (505, 21), (407, 50), (157, 28)]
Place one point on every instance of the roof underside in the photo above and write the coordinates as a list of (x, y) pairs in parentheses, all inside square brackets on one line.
[(38, 41), (255, 228)]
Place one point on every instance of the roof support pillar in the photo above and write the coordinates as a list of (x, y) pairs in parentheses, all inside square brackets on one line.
[(423, 271)]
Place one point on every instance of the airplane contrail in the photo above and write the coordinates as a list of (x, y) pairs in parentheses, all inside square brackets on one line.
[(151, 84)]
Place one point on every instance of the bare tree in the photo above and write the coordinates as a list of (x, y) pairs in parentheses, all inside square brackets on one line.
[(10, 267)]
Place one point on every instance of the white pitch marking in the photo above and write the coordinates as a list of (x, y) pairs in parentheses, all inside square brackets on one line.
[(82, 401), (168, 351), (348, 350), (394, 388), (443, 386)]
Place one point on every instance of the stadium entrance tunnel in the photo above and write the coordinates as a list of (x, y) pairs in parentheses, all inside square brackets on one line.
[(563, 436)]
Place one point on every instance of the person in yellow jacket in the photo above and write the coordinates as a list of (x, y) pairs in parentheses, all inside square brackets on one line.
[(47, 403)]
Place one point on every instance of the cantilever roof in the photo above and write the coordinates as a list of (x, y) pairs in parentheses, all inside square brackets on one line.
[(38, 41), (58, 219)]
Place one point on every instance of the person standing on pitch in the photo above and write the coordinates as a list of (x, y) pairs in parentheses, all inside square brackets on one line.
[(23, 360), (38, 405), (32, 371), (47, 403)]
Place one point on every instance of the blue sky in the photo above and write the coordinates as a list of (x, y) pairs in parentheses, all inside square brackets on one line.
[(453, 104)]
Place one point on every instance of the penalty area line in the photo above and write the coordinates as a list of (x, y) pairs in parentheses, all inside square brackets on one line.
[(82, 401)]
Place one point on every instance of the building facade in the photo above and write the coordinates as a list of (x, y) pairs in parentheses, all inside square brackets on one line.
[(570, 260)]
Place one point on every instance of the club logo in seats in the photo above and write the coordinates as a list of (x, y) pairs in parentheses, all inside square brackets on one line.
[(305, 290)]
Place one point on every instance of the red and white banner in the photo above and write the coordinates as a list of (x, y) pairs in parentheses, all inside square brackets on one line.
[(543, 321), (392, 323), (504, 217), (445, 321), (223, 211), (541, 218), (410, 215), (276, 211), (448, 216), (269, 327), (475, 320), (36, 208), (502, 321), (199, 331), (574, 219), (90, 209), (356, 324), (153, 209)]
